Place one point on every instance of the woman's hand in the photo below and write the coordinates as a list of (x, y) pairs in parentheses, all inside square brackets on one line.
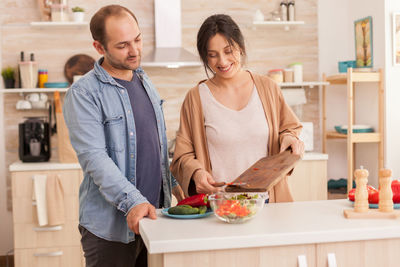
[(296, 145), (204, 182), (178, 193)]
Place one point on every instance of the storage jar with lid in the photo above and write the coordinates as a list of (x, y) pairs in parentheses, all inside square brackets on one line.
[(291, 11), (59, 12), (276, 75), (297, 72)]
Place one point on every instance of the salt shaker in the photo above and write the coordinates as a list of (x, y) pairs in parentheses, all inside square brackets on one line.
[(291, 11)]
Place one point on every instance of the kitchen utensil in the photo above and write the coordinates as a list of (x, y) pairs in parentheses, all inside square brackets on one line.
[(66, 154), (265, 173), (78, 65), (236, 207)]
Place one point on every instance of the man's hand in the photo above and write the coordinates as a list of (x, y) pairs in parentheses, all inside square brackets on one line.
[(204, 182), (178, 193), (137, 213), (296, 145)]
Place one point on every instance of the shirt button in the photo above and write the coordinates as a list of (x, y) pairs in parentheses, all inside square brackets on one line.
[(122, 91), (132, 156), (131, 133), (129, 111)]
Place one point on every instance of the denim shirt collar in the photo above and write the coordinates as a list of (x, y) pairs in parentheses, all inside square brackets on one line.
[(105, 77)]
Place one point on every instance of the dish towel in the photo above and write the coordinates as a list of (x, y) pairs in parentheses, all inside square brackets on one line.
[(39, 194), (55, 201)]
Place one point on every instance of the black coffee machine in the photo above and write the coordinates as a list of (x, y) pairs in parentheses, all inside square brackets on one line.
[(34, 140)]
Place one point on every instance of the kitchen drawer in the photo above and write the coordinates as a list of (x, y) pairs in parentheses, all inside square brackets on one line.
[(24, 209), (22, 182), (32, 236), (49, 257)]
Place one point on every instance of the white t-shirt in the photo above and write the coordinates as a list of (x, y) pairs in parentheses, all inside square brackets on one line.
[(235, 139)]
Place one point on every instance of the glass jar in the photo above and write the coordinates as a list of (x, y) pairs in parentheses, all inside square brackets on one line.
[(288, 75), (276, 75), (43, 77), (59, 12)]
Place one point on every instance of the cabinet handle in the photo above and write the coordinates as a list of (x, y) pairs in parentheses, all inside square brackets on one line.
[(47, 229), (302, 261), (49, 254), (332, 260)]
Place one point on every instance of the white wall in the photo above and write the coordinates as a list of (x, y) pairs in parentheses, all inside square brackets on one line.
[(392, 94), (336, 43)]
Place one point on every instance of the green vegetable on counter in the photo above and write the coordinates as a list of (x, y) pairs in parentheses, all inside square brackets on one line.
[(183, 210)]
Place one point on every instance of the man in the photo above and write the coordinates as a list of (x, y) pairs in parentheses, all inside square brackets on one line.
[(116, 126)]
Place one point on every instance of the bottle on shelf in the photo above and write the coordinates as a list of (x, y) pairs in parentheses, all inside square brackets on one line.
[(291, 11), (43, 77), (284, 10)]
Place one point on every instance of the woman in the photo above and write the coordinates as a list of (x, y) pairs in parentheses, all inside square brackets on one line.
[(231, 120)]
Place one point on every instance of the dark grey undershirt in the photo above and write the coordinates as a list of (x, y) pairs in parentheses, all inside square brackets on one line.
[(148, 161)]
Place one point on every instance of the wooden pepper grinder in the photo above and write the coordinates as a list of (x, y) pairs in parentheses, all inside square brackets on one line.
[(361, 195), (385, 191)]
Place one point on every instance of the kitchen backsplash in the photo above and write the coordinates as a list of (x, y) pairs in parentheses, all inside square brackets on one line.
[(267, 48)]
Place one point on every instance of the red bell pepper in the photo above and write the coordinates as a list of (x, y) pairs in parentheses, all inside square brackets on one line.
[(195, 201), (373, 193), (396, 191)]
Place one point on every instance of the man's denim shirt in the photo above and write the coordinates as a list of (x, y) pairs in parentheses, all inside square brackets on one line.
[(98, 113)]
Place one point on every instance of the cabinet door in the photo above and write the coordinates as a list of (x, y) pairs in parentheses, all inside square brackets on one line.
[(370, 253), (267, 256), (309, 180), (49, 257), (27, 233)]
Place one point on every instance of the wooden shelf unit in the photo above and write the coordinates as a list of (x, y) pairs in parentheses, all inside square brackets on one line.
[(350, 79)]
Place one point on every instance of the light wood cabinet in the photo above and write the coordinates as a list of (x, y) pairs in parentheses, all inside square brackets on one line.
[(309, 180), (265, 256), (370, 253), (49, 245)]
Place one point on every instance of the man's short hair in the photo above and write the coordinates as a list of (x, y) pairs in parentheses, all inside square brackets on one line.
[(98, 21)]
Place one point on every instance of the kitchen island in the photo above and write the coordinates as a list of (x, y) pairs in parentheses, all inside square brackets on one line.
[(283, 234)]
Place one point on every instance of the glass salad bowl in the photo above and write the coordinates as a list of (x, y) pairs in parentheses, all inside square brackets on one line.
[(237, 207)]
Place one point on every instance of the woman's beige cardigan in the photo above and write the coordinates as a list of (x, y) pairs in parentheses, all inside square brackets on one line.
[(191, 152)]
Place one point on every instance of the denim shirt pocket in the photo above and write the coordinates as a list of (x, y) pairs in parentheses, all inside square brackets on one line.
[(114, 132)]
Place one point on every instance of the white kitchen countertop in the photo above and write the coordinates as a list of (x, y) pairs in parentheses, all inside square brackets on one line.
[(20, 166), (315, 156), (277, 224)]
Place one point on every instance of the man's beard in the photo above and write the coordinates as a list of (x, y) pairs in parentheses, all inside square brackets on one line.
[(122, 65)]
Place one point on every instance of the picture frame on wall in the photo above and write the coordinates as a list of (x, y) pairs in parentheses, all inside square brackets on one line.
[(396, 39), (363, 42)]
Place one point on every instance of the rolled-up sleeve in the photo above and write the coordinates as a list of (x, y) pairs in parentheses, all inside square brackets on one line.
[(86, 130)]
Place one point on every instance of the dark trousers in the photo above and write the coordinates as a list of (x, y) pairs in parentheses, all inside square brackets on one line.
[(102, 253)]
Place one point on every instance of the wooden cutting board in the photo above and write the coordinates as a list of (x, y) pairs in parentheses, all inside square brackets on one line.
[(265, 173)]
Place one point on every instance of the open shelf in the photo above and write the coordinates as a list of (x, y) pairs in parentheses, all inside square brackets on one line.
[(355, 77), (32, 90), (285, 24), (303, 84), (64, 24), (356, 137)]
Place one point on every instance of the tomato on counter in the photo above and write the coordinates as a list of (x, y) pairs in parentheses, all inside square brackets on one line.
[(373, 193)]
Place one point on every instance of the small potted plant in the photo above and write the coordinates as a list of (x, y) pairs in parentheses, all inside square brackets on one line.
[(8, 77), (78, 13)]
